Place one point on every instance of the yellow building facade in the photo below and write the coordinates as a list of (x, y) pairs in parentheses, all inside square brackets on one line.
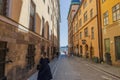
[(72, 12), (86, 30), (110, 16)]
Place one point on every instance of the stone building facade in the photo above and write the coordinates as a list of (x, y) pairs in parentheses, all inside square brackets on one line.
[(27, 28)]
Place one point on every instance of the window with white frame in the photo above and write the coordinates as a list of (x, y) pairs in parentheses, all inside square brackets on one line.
[(105, 18), (116, 12)]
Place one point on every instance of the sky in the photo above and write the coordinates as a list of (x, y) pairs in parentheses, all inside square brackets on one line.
[(64, 9)]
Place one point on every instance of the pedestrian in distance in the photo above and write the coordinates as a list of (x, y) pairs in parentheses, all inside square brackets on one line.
[(44, 72)]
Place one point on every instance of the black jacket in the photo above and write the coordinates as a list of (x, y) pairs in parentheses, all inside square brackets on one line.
[(44, 72)]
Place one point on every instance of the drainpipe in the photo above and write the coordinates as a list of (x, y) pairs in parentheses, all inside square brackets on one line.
[(99, 30)]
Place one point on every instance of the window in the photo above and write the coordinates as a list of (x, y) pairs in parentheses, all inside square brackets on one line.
[(76, 27), (92, 33), (85, 16), (43, 21), (51, 17), (30, 56), (3, 7), (105, 18), (107, 45), (103, 1), (84, 4), (90, 1), (80, 35), (44, 1), (80, 12), (117, 47), (86, 32), (80, 22), (48, 10), (77, 36), (116, 12), (91, 13), (32, 17)]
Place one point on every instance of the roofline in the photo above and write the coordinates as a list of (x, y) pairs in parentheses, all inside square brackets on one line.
[(70, 9), (77, 10)]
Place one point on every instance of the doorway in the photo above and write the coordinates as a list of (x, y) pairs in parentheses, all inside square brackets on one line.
[(81, 51), (117, 47), (86, 51)]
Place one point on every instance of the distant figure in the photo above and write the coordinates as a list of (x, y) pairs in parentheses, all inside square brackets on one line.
[(44, 70), (57, 53)]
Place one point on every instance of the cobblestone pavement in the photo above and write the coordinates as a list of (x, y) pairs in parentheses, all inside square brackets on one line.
[(73, 68)]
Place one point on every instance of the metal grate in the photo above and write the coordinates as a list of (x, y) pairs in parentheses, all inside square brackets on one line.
[(30, 56), (2, 58)]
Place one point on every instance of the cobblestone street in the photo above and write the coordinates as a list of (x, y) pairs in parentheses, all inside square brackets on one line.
[(74, 68)]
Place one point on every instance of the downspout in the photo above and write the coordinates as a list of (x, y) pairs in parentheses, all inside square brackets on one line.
[(99, 30)]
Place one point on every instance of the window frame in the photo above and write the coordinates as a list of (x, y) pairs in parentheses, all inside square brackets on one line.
[(92, 33), (91, 13), (105, 18), (85, 16), (32, 16), (114, 11), (4, 7), (86, 32)]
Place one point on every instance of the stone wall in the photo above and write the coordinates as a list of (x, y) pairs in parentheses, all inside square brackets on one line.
[(17, 44)]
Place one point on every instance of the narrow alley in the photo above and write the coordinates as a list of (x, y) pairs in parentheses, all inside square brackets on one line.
[(59, 39)]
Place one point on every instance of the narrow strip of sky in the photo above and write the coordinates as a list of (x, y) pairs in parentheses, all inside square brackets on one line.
[(64, 8)]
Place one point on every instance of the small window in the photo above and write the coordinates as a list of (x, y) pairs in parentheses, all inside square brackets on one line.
[(80, 24), (85, 16), (48, 10), (80, 35), (91, 13), (105, 18), (3, 7), (44, 1), (92, 33), (107, 45), (43, 22), (84, 4), (80, 12), (32, 17), (86, 32), (90, 1), (116, 12)]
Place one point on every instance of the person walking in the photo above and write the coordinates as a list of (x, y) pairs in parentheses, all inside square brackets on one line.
[(44, 72)]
